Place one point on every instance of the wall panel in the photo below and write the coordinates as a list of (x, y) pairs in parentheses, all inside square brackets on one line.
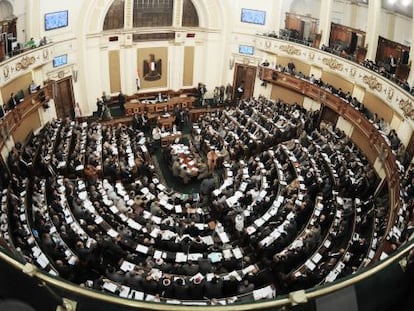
[(363, 143), (20, 83), (373, 103), (114, 71), (31, 123), (286, 95), (188, 66), (337, 82)]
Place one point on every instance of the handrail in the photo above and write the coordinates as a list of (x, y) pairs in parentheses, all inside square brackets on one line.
[(248, 306)]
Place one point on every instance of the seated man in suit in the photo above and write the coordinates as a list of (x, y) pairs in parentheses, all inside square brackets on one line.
[(12, 102), (33, 87)]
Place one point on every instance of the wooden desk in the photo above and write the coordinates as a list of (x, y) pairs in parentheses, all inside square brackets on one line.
[(135, 106), (169, 139)]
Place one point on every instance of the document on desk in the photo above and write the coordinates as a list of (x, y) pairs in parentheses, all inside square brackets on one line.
[(237, 253), (250, 230), (223, 237), (142, 249), (109, 286), (42, 260), (265, 292), (157, 254), (316, 258), (124, 292), (112, 233), (178, 209), (133, 224), (227, 253), (215, 257), (98, 220), (207, 240), (195, 256), (310, 265), (180, 257), (154, 233), (248, 269), (259, 222)]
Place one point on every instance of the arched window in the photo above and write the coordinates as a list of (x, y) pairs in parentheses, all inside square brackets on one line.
[(114, 19), (190, 16), (153, 13), (6, 10)]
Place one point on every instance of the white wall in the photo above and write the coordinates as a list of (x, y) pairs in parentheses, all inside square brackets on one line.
[(306, 7), (221, 34)]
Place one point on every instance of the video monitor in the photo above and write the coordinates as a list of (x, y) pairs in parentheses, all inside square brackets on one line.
[(246, 49), (60, 60), (253, 16), (55, 20)]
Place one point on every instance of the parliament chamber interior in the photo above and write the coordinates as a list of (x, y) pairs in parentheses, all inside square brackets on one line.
[(206, 155)]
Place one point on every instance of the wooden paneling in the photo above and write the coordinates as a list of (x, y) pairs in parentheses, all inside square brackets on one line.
[(20, 83), (31, 123), (363, 143), (337, 82), (244, 77), (279, 92), (114, 71), (373, 103), (343, 34), (188, 70), (64, 99)]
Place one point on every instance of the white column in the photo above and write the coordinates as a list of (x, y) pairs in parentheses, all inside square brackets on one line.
[(178, 13), (373, 27), (391, 26), (325, 17), (410, 78), (33, 25), (128, 14), (277, 20), (354, 9)]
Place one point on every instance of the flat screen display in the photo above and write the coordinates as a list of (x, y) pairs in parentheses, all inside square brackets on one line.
[(60, 60), (56, 20), (246, 49), (253, 16)]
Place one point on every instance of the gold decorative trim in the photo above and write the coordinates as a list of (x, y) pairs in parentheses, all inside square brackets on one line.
[(372, 82), (333, 63), (407, 107), (311, 55), (6, 72), (390, 93), (353, 72), (45, 54), (268, 44), (290, 49), (25, 62)]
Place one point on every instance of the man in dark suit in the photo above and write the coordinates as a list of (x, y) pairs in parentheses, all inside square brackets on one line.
[(12, 103)]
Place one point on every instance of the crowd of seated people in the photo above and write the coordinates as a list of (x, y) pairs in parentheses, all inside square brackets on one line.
[(383, 68), (294, 204), (380, 124)]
